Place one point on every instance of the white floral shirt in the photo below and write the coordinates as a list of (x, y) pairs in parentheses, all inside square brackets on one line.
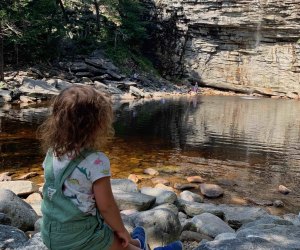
[(79, 185)]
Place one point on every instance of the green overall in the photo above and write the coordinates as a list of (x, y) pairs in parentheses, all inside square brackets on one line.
[(64, 226)]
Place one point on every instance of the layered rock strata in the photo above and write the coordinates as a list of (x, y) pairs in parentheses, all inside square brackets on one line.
[(222, 43)]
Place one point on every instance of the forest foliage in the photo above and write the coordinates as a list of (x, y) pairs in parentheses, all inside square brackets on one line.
[(46, 30)]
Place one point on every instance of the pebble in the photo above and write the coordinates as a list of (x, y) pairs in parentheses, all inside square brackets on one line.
[(283, 189), (195, 179), (151, 171)]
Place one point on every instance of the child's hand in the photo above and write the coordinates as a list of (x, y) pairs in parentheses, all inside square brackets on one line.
[(125, 237)]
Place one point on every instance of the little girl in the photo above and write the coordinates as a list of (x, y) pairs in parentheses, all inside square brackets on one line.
[(79, 210)]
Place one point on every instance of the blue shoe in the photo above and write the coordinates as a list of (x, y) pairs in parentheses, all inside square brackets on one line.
[(176, 245), (140, 234)]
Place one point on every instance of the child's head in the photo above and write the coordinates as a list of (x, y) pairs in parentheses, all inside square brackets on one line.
[(81, 119)]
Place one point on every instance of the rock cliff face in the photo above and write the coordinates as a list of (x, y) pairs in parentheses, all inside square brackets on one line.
[(246, 43)]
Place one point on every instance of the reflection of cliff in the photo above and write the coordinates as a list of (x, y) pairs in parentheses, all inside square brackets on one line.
[(249, 43), (262, 125)]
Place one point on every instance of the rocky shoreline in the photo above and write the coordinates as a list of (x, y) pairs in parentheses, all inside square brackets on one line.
[(34, 84), (165, 214)]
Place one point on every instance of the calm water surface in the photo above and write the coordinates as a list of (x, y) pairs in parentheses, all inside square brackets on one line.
[(248, 146)]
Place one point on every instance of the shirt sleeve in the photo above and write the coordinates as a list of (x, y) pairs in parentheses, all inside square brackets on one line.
[(98, 166)]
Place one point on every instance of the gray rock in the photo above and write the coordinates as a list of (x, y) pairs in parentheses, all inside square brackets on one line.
[(19, 187), (162, 226), (254, 243), (225, 236), (6, 95), (35, 243), (38, 87), (38, 224), (21, 214), (190, 196), (4, 219), (236, 216), (11, 237), (101, 63), (162, 196), (124, 185), (128, 223), (136, 92), (133, 200), (294, 218), (267, 219), (211, 225), (193, 236), (195, 208), (211, 190), (168, 206), (79, 67), (286, 236), (278, 203)]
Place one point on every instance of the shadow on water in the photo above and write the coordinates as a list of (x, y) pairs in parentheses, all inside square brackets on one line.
[(249, 147)]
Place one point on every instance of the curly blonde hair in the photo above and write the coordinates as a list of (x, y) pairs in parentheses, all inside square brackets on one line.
[(81, 119)]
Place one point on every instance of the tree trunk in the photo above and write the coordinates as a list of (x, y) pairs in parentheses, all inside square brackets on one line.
[(1, 54), (97, 14), (63, 10)]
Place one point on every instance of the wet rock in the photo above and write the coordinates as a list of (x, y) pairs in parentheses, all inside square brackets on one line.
[(4, 219), (236, 216), (283, 189), (278, 203), (134, 178), (211, 190), (28, 176), (190, 196), (210, 225), (35, 201), (185, 186), (260, 202), (162, 196), (162, 226), (151, 171), (34, 243), (164, 187), (124, 185), (195, 208), (5, 176), (195, 179), (161, 181), (11, 237), (19, 187), (294, 218), (193, 236), (133, 200), (21, 214)]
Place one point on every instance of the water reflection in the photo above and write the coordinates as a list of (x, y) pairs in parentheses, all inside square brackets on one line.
[(249, 146)]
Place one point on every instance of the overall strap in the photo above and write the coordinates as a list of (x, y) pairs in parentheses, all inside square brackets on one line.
[(49, 174), (66, 171)]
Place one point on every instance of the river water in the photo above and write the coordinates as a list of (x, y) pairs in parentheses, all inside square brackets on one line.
[(248, 146)]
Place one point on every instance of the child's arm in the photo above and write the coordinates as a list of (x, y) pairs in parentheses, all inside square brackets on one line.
[(108, 208)]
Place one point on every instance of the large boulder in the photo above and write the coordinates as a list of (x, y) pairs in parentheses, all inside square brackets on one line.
[(236, 216), (133, 200), (21, 214), (162, 226), (11, 237), (19, 187), (162, 196), (31, 86), (123, 185), (240, 244), (211, 225), (195, 208), (35, 243)]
